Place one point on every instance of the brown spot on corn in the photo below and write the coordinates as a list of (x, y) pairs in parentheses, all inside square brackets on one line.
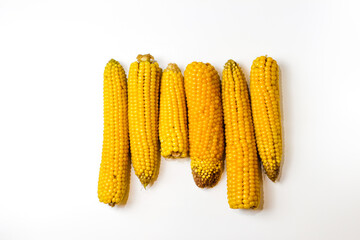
[(206, 136)]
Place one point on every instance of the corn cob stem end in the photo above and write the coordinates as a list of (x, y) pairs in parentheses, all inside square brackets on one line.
[(209, 182), (175, 154), (173, 67), (273, 175), (145, 58)]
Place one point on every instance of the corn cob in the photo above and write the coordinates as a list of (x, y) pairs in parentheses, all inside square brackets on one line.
[(114, 177), (144, 84), (173, 122), (242, 165), (265, 98), (206, 136)]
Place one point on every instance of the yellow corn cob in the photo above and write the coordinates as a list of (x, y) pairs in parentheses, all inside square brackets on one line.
[(173, 122), (206, 136), (242, 165), (265, 99), (114, 177), (144, 84)]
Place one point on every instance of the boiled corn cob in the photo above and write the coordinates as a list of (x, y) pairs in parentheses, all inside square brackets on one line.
[(173, 121), (144, 84), (265, 99), (206, 136), (114, 177), (242, 165)]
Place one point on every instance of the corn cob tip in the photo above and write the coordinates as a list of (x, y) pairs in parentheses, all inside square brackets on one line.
[(144, 181), (173, 67), (112, 204), (145, 58), (230, 62), (273, 179), (272, 175), (112, 62), (208, 182)]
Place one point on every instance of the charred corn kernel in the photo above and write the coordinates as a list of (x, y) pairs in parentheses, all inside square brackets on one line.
[(173, 122), (242, 165), (265, 99), (206, 133), (114, 177), (144, 87)]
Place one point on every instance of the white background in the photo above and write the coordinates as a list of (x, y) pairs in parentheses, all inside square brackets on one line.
[(52, 57)]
